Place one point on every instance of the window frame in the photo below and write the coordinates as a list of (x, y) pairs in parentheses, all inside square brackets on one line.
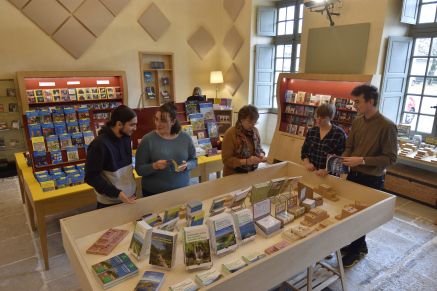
[(417, 31), (293, 39)]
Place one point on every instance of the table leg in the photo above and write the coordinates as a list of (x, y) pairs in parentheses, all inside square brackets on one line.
[(42, 237), (341, 270), (20, 183), (30, 213), (218, 174), (310, 278)]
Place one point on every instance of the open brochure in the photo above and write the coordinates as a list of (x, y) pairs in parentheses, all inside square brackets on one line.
[(334, 166)]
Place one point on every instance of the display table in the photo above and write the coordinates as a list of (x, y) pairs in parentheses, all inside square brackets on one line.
[(40, 204), (80, 231)]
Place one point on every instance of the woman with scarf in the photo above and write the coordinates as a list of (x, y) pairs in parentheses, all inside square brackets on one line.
[(241, 148)]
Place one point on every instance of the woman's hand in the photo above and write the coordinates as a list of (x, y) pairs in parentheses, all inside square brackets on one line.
[(253, 160), (128, 200), (182, 167), (322, 173), (160, 165), (309, 166), (262, 158)]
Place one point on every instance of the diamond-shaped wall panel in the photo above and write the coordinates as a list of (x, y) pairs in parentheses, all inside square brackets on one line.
[(115, 6), (47, 14), (233, 79), (19, 3), (94, 15), (154, 22), (201, 42), (233, 42), (233, 8), (71, 5), (74, 37)]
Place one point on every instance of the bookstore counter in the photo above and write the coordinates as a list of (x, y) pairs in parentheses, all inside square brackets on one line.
[(81, 231)]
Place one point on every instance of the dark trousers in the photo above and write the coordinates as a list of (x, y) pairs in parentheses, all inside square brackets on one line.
[(101, 205), (375, 182)]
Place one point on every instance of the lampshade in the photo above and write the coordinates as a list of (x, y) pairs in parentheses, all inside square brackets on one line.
[(216, 77)]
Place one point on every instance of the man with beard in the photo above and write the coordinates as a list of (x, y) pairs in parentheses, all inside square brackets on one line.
[(108, 167)]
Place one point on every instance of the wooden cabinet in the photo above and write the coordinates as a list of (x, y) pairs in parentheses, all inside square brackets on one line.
[(157, 78)]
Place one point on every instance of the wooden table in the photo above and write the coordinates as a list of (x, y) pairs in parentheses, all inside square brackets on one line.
[(80, 231), (40, 204)]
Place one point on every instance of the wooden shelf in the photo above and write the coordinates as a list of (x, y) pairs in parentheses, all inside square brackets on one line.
[(299, 115), (58, 103), (302, 104), (59, 165), (157, 70)]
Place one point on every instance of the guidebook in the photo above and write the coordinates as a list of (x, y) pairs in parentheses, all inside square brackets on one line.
[(107, 242), (334, 166), (222, 230), (197, 252), (151, 281), (163, 249), (140, 242), (244, 224), (114, 270)]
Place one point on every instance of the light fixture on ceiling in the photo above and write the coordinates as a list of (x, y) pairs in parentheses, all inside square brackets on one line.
[(323, 6)]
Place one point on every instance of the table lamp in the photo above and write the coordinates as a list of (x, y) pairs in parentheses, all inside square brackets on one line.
[(216, 77)]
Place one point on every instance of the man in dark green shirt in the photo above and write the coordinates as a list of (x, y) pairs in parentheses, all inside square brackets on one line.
[(370, 148)]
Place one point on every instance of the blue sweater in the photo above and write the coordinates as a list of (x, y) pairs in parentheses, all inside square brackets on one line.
[(153, 148)]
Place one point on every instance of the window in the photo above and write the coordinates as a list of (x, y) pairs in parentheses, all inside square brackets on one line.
[(428, 10), (287, 39), (421, 95)]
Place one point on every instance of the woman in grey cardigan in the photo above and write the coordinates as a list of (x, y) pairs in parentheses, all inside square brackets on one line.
[(159, 148)]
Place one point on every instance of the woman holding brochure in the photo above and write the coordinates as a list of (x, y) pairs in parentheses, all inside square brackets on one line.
[(322, 140), (166, 155)]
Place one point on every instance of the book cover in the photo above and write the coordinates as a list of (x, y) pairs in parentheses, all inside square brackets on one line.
[(188, 129), (53, 143), (60, 128), (70, 114), (253, 257), (197, 121), (205, 144), (334, 166), (141, 238), (171, 213), (151, 281), (72, 127), (107, 242), (191, 107), (84, 125), (244, 224), (88, 137), (207, 110), (152, 219), (72, 153), (56, 157), (65, 141), (47, 129), (34, 130), (196, 218), (114, 270), (301, 130), (38, 144), (300, 97), (234, 266), (260, 192), (238, 198), (208, 277), (186, 285), (40, 158), (77, 139), (212, 129), (197, 252), (163, 248), (217, 205), (223, 233)]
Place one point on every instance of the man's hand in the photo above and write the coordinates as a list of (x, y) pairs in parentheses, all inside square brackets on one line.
[(322, 173), (253, 160), (353, 161), (160, 165), (125, 199)]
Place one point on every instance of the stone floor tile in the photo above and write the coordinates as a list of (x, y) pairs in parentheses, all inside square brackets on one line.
[(13, 225), (54, 245), (404, 279), (59, 267), (16, 249), (22, 275), (408, 231), (405, 216), (67, 283), (400, 201), (10, 207), (425, 262)]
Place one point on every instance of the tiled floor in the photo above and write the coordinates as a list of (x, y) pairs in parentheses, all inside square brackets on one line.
[(402, 253)]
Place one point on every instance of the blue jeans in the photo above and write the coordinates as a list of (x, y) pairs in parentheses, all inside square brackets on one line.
[(375, 182)]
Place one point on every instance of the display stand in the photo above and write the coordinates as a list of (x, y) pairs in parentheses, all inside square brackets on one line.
[(286, 146), (11, 128), (223, 118), (157, 79), (80, 231)]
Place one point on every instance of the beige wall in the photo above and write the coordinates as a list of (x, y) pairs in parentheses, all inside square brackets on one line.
[(26, 47)]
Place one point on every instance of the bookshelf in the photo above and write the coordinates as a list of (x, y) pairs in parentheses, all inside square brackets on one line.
[(11, 127), (157, 78), (96, 92), (296, 113)]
